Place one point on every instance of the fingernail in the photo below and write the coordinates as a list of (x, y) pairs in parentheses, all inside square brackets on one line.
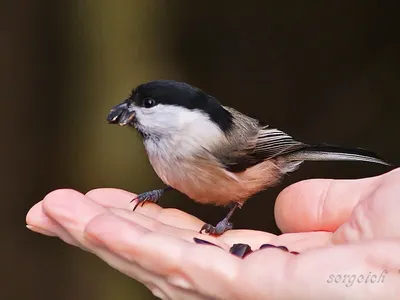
[(180, 281), (240, 250), (203, 242), (40, 230)]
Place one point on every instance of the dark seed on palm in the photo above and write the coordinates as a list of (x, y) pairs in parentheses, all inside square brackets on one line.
[(203, 242), (240, 250), (283, 248), (264, 246)]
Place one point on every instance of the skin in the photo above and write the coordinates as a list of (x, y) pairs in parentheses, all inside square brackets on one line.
[(340, 227)]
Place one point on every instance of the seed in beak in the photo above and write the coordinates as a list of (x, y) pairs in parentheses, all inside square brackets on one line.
[(128, 119)]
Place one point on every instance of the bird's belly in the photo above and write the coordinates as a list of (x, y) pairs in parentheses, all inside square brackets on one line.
[(205, 181)]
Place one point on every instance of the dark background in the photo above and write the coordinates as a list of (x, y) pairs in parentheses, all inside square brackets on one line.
[(325, 71)]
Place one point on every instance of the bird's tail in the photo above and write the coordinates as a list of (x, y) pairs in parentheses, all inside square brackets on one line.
[(334, 153)]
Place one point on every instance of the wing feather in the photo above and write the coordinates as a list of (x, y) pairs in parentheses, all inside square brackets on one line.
[(273, 142), (268, 143)]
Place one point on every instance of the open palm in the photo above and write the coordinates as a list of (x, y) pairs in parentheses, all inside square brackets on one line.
[(347, 233)]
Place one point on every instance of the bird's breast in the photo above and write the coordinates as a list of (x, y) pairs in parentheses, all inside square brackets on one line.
[(204, 180)]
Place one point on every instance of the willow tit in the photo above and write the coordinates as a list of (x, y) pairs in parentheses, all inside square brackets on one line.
[(213, 153)]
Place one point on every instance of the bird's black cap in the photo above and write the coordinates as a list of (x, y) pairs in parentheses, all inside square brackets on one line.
[(169, 92)]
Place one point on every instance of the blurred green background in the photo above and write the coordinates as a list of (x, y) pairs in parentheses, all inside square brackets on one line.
[(325, 71)]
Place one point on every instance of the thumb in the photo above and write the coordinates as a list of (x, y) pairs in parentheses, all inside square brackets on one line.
[(320, 204), (376, 216)]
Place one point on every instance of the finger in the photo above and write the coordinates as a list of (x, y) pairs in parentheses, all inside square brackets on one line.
[(129, 251), (153, 215), (39, 222), (161, 225), (166, 223), (117, 198), (320, 204), (164, 255), (120, 199), (111, 197), (72, 211)]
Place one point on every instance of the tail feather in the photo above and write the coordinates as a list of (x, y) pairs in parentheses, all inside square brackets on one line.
[(334, 153)]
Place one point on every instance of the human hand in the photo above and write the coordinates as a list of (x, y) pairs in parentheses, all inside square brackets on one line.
[(341, 228)]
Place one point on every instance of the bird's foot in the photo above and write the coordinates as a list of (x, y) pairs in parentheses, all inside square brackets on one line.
[(221, 227), (151, 196)]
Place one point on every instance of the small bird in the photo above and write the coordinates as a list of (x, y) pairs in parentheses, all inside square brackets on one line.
[(213, 153)]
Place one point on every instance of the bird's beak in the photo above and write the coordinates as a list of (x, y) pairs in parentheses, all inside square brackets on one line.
[(121, 115)]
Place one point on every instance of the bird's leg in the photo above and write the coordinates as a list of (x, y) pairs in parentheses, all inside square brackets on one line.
[(223, 225), (152, 196)]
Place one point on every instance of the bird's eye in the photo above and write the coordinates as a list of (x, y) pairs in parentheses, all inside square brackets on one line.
[(149, 102)]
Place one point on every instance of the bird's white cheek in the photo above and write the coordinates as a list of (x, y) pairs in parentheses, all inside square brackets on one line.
[(182, 131), (153, 122), (164, 119)]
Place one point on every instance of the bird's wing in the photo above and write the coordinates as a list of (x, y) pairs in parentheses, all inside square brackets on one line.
[(273, 142), (267, 144)]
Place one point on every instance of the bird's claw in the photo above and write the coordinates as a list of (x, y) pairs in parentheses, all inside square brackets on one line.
[(152, 196), (219, 229)]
